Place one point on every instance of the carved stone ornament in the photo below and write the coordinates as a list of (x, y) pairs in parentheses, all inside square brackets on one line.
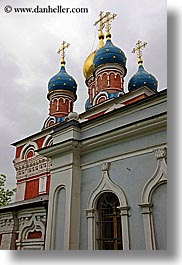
[(161, 153), (105, 166)]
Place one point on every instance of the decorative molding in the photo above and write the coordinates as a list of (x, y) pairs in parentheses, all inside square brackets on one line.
[(32, 166), (6, 222), (124, 133), (115, 68), (100, 94), (106, 185), (29, 222), (26, 147), (115, 106), (42, 184), (48, 141), (48, 121), (161, 153), (159, 178)]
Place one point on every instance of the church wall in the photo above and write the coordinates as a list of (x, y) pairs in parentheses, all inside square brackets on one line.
[(132, 164), (140, 143), (131, 174)]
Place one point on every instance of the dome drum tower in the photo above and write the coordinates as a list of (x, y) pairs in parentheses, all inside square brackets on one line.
[(61, 93), (105, 68), (61, 104)]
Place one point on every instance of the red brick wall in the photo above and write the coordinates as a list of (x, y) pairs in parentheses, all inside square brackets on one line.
[(135, 99), (32, 189), (63, 109), (18, 151), (102, 83), (96, 115), (48, 184), (115, 82), (111, 82), (40, 141)]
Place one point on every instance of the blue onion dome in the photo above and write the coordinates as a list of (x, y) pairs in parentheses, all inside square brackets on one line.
[(62, 81), (88, 105), (109, 54), (142, 78)]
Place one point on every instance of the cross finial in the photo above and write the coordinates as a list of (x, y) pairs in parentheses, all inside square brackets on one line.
[(138, 50), (104, 21), (101, 23), (61, 50), (109, 18)]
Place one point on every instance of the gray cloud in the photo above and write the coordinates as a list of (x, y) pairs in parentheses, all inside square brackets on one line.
[(28, 57)]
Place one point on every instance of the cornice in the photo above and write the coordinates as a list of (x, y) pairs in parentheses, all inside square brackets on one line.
[(149, 100), (125, 133)]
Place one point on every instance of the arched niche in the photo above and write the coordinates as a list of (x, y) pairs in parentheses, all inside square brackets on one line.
[(159, 178)]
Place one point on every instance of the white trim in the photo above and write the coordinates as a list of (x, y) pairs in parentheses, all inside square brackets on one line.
[(42, 184), (106, 185), (30, 221), (159, 178), (47, 141), (110, 68), (48, 120), (26, 147), (115, 106), (102, 93)]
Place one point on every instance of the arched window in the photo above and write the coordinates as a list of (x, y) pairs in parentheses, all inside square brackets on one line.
[(109, 235), (108, 207)]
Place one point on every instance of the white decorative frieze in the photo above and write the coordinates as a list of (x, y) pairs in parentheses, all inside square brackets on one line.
[(32, 166), (31, 221)]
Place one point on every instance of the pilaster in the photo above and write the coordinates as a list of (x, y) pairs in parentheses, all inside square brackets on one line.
[(65, 173)]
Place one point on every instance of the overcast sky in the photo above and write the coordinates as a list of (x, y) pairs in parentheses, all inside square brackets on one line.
[(28, 58)]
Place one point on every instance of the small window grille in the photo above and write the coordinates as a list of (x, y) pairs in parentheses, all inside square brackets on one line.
[(109, 223)]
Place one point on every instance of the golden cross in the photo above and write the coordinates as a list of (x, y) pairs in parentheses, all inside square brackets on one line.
[(138, 50), (61, 50), (100, 21), (109, 18)]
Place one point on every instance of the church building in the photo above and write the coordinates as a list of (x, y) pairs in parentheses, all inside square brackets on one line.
[(95, 180)]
